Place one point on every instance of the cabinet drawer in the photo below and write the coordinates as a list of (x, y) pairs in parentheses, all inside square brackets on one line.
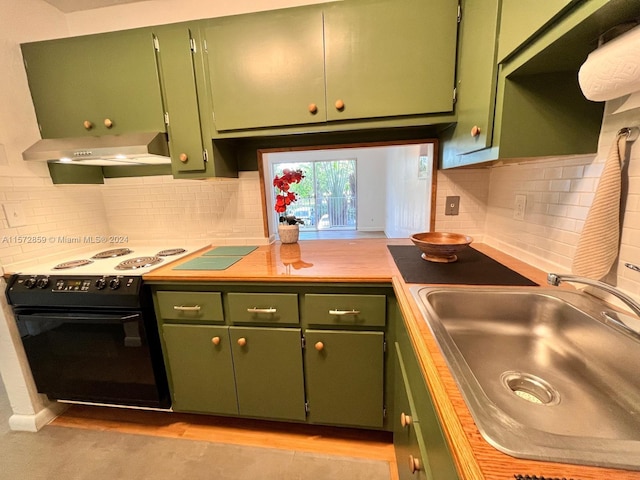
[(366, 310), (277, 308), (189, 306)]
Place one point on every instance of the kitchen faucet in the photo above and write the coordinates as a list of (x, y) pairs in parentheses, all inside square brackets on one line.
[(555, 279)]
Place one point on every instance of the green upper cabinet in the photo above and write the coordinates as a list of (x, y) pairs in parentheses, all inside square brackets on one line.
[(95, 85), (520, 21), (476, 78), (539, 109), (352, 61), (387, 58), (267, 69), (187, 107)]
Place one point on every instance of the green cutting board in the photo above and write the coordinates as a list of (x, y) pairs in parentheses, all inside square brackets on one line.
[(209, 263), (229, 250)]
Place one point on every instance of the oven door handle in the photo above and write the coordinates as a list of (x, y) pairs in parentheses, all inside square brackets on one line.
[(82, 318)]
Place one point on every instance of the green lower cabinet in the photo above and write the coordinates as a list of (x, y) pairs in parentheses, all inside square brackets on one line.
[(200, 368), (421, 448), (407, 436), (268, 370), (345, 377)]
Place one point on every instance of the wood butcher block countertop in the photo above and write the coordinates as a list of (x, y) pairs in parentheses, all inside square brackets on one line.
[(369, 261)]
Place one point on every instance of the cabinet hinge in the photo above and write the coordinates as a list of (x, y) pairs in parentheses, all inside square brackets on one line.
[(455, 94), (384, 345), (156, 43), (384, 411), (205, 48), (205, 155), (166, 118), (303, 342), (306, 408), (459, 12), (192, 42)]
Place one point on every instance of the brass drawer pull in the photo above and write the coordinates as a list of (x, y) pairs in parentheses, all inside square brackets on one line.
[(344, 312), (186, 308), (262, 310)]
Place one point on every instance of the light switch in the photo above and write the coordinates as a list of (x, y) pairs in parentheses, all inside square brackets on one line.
[(14, 214)]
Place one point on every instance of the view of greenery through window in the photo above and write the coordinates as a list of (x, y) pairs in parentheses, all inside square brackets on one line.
[(327, 194)]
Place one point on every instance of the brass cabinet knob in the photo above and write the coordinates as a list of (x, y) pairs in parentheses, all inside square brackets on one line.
[(108, 123), (242, 341), (414, 464), (405, 419), (313, 108), (183, 157), (319, 346), (215, 340), (87, 125), (339, 104), (475, 131)]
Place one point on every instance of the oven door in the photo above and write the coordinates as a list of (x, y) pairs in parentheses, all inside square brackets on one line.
[(93, 356)]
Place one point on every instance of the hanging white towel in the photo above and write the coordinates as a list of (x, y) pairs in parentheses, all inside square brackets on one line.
[(600, 238)]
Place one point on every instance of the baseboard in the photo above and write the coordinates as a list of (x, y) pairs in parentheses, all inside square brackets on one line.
[(33, 423)]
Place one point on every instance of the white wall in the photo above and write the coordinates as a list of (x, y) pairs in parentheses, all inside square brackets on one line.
[(408, 196), (23, 183)]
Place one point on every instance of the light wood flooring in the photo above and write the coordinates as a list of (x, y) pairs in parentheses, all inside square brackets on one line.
[(348, 442)]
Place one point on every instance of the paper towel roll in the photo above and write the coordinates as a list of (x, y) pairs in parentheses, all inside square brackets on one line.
[(613, 70)]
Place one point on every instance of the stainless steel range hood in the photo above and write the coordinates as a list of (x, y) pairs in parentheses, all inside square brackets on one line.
[(126, 149)]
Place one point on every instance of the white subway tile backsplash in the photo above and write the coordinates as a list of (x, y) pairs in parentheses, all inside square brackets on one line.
[(560, 185)]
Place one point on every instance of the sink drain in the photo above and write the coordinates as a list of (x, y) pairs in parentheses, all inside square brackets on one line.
[(530, 388)]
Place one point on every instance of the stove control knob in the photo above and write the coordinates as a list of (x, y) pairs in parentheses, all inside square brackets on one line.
[(30, 282), (114, 283), (42, 282), (101, 283)]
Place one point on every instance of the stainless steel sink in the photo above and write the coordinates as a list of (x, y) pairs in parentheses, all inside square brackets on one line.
[(544, 373)]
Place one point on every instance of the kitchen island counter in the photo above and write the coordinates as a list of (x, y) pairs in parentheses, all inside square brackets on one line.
[(369, 261)]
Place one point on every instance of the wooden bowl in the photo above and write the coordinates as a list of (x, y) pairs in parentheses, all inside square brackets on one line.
[(440, 247)]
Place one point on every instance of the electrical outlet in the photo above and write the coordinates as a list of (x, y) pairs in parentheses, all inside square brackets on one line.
[(452, 205), (14, 214), (519, 208)]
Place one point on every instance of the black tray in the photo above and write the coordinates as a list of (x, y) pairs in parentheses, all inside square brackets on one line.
[(472, 268)]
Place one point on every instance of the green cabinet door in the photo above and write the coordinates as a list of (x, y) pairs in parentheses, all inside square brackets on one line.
[(406, 431), (176, 49), (200, 368), (476, 81), (267, 68), (520, 21), (269, 376), (435, 458), (109, 76), (344, 372), (390, 57)]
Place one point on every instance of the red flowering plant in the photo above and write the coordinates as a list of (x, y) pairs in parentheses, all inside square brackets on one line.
[(284, 195)]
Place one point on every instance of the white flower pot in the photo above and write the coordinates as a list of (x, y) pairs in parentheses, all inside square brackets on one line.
[(288, 233)]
